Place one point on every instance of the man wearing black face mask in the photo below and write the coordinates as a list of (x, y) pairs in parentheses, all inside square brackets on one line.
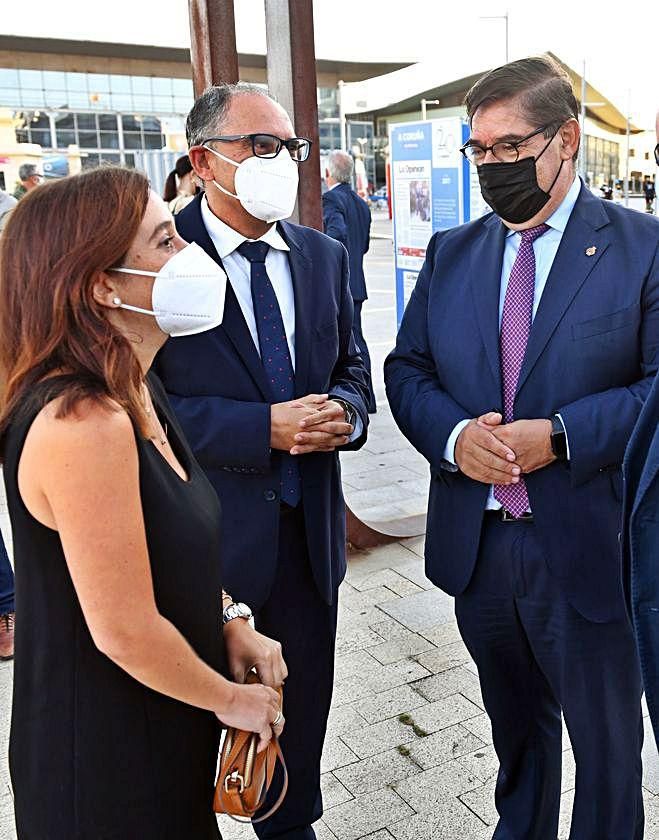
[(523, 360)]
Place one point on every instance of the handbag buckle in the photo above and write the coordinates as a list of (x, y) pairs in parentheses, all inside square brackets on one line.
[(234, 779)]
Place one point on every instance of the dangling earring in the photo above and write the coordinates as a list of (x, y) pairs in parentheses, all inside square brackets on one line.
[(116, 301)]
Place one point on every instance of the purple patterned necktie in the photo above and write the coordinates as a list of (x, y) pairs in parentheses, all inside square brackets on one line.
[(515, 331)]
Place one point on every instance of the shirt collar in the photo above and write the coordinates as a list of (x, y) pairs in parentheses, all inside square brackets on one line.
[(226, 239), (561, 215)]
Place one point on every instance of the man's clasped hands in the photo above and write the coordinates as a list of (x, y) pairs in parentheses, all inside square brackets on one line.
[(314, 423), (495, 452)]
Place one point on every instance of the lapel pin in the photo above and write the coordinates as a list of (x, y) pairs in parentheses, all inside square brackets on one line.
[(590, 251)]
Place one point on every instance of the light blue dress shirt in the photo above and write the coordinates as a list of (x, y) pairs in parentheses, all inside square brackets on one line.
[(545, 248)]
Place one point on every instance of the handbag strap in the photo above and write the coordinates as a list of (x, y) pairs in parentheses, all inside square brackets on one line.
[(274, 754)]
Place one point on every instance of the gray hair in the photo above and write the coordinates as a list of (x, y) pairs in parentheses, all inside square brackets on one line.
[(26, 171), (340, 166), (210, 110)]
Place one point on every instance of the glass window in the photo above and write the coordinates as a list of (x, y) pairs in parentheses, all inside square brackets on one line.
[(100, 101), (107, 122), (141, 84), (33, 99), (76, 81), (114, 160), (161, 87), (132, 140), (98, 82), (40, 136), (40, 121), (9, 97), (121, 101), (182, 87), (151, 124), (90, 161), (54, 79), (88, 139), (153, 141), (130, 160), (30, 79), (21, 135), (141, 102), (8, 78), (64, 121), (56, 98), (86, 122), (65, 138), (78, 99), (120, 84), (131, 122), (109, 140), (182, 105), (163, 104)]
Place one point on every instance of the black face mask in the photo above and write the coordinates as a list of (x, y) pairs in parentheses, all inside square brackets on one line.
[(511, 189)]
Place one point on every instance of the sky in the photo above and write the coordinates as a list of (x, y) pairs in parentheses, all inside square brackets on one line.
[(621, 57)]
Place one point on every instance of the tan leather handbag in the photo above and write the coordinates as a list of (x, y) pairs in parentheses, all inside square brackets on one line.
[(245, 776)]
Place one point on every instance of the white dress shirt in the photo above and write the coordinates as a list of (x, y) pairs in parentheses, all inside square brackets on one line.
[(238, 268), (545, 248)]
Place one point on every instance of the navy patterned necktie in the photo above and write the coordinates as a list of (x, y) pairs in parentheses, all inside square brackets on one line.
[(275, 355)]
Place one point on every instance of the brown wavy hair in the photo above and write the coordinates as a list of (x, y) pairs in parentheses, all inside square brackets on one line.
[(57, 240)]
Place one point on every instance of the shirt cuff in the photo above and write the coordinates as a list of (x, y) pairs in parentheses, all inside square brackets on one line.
[(567, 440), (359, 428), (449, 450)]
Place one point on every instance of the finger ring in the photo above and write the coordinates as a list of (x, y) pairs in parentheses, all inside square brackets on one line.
[(277, 720)]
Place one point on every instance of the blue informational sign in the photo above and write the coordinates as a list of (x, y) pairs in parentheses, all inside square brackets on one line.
[(433, 188)]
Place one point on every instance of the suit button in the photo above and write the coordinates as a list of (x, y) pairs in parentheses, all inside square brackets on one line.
[(269, 495)]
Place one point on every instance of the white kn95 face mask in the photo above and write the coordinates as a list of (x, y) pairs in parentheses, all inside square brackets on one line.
[(266, 187), (188, 292)]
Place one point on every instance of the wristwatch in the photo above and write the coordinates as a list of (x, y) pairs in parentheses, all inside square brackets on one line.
[(558, 438), (348, 410), (235, 611)]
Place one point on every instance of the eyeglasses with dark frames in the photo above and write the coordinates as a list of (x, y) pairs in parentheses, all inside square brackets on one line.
[(505, 151), (268, 145)]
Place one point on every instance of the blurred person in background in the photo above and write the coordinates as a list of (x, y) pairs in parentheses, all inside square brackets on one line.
[(7, 204), (180, 186), (347, 218), (118, 685), (29, 177)]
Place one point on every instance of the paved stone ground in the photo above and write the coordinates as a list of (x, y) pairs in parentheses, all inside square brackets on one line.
[(409, 750)]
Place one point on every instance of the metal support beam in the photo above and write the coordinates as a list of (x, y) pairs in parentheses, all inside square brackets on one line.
[(212, 44), (291, 63)]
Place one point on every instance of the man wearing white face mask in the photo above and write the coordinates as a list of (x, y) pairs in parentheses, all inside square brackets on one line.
[(266, 400)]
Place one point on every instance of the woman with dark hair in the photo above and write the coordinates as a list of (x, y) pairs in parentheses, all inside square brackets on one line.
[(118, 690), (180, 187)]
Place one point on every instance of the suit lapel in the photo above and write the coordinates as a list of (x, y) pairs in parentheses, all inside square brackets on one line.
[(190, 225), (585, 229), (302, 274), (485, 274)]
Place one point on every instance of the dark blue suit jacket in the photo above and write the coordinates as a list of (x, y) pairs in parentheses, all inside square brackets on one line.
[(592, 354), (347, 219), (640, 545), (217, 386)]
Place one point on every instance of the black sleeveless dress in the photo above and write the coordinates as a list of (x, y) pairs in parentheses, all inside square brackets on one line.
[(94, 754)]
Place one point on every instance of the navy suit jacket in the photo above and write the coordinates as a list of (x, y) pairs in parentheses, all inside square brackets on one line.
[(592, 354), (347, 219), (640, 545), (218, 388)]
